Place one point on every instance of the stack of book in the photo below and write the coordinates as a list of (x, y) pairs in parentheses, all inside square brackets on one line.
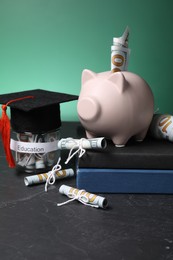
[(139, 167)]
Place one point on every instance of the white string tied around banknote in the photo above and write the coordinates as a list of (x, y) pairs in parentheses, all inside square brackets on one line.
[(51, 175), (77, 145), (80, 196)]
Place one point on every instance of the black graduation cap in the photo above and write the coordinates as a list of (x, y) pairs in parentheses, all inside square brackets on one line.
[(35, 111)]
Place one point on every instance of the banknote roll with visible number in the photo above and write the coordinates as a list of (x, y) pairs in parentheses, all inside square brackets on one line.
[(120, 52)]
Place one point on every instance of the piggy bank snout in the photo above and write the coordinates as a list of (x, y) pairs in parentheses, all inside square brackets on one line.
[(88, 108)]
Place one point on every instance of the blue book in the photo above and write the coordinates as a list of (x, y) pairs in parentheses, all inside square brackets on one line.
[(125, 180)]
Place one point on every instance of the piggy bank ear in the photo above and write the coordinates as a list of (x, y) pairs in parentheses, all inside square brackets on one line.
[(87, 75), (119, 80)]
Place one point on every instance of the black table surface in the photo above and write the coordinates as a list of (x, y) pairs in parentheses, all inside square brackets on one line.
[(133, 227)]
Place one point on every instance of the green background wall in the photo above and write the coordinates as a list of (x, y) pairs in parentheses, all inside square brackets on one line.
[(47, 43)]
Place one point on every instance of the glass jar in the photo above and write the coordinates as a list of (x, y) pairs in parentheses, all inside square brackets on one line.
[(35, 153)]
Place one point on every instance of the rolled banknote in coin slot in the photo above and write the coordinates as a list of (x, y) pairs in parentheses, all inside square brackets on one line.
[(120, 52)]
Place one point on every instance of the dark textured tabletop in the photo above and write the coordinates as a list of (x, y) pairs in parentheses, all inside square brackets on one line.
[(133, 227)]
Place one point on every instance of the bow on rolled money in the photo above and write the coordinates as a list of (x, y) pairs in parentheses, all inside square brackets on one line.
[(93, 143), (79, 145), (42, 177), (82, 196)]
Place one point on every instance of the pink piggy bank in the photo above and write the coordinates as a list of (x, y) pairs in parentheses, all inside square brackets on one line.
[(115, 105)]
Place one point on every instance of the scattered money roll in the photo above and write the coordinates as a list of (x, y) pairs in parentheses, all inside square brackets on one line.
[(93, 143), (162, 127), (83, 196), (120, 52), (41, 178)]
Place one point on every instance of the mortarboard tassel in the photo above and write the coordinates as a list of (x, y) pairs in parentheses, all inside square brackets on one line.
[(5, 131)]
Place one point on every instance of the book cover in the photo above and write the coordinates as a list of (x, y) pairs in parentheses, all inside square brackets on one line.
[(149, 154), (125, 180)]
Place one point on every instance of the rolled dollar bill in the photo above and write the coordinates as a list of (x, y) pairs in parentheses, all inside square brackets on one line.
[(83, 196), (41, 178), (70, 143), (120, 52), (161, 127)]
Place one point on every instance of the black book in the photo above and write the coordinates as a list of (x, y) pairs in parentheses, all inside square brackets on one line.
[(149, 154)]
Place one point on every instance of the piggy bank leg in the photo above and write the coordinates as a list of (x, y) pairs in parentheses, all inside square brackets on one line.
[(140, 137), (119, 145), (119, 141), (90, 135)]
